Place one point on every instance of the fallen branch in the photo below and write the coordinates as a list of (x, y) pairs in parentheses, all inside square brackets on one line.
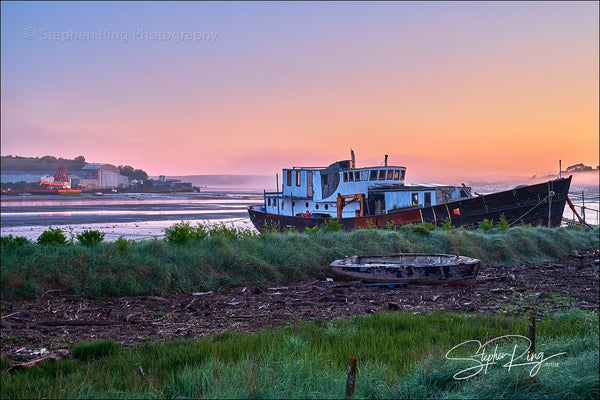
[(77, 322), (492, 278), (10, 315), (55, 355)]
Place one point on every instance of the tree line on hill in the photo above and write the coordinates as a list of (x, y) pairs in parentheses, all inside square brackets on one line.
[(580, 168), (33, 163), (16, 164)]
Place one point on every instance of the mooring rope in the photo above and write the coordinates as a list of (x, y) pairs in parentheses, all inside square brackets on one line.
[(551, 194)]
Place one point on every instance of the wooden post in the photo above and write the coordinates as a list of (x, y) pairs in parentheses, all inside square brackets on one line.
[(583, 205), (351, 379), (532, 334), (559, 169), (277, 190), (550, 193)]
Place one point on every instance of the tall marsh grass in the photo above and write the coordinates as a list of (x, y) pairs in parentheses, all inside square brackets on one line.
[(400, 355), (197, 259)]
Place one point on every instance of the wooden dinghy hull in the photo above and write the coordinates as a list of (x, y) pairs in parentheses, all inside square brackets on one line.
[(422, 269)]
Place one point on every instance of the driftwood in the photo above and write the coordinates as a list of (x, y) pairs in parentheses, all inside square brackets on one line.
[(492, 278), (70, 322), (78, 322), (55, 355)]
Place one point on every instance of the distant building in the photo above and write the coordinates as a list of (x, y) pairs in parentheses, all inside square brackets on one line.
[(171, 185), (99, 176)]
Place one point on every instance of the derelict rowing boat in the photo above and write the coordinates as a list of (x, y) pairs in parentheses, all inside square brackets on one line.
[(410, 268)]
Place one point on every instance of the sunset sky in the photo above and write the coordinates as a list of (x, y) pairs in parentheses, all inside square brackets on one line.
[(451, 90)]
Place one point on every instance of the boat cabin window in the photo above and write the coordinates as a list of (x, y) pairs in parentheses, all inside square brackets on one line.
[(427, 199), (396, 174), (289, 178), (373, 175), (402, 174), (269, 201), (415, 199), (357, 176), (390, 174), (382, 174), (297, 178)]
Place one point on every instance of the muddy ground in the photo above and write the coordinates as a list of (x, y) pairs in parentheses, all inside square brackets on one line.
[(58, 320)]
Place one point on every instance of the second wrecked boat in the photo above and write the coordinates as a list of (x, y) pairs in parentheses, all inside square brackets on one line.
[(410, 268)]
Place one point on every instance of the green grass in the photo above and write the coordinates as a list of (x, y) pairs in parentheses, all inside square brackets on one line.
[(400, 355), (229, 257), (95, 350)]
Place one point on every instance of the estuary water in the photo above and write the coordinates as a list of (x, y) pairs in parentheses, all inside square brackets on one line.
[(142, 216), (136, 216)]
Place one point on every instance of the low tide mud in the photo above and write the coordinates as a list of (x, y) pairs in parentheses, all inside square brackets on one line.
[(59, 320)]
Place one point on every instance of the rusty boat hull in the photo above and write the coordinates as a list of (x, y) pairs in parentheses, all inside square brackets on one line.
[(539, 204), (422, 269)]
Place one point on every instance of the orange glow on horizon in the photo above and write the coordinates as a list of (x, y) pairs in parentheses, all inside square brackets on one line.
[(453, 92)]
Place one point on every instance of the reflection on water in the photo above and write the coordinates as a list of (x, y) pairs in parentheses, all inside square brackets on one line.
[(132, 199), (115, 212), (132, 216), (129, 230)]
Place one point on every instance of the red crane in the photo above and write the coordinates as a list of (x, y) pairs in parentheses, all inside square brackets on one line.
[(62, 175)]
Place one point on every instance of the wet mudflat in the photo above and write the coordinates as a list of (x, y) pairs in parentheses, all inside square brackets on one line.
[(58, 320), (131, 215)]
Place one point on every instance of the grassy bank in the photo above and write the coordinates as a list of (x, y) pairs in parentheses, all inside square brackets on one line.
[(400, 355), (210, 259)]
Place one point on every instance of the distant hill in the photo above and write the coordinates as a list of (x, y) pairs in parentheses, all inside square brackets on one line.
[(9, 164), (29, 169)]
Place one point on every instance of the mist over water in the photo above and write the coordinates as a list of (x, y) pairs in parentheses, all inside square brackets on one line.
[(588, 181), (232, 183)]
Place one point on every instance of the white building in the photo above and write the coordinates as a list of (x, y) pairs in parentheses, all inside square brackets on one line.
[(99, 176)]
